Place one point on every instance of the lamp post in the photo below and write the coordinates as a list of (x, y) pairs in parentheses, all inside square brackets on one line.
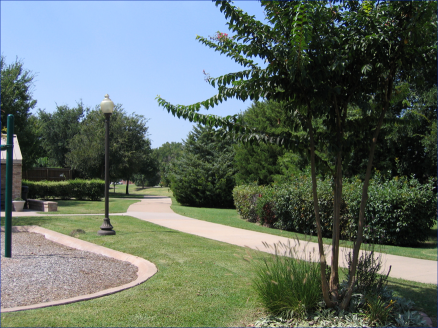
[(106, 106)]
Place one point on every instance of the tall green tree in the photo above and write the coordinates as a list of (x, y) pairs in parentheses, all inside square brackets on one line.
[(324, 59), (87, 148), (149, 173), (17, 99), (409, 145), (129, 145), (407, 138), (263, 162), (133, 147), (204, 174), (166, 155), (58, 128)]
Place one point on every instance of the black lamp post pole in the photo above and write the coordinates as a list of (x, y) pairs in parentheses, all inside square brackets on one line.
[(106, 228)]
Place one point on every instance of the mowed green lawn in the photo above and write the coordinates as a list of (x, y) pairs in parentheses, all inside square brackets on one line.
[(73, 206), (200, 282), (138, 192), (119, 202)]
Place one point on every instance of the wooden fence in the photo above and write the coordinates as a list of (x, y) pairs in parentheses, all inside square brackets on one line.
[(47, 173)]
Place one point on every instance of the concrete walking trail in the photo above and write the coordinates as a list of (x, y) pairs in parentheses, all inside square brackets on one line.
[(156, 209)]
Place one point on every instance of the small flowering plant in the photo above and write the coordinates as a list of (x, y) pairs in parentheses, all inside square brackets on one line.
[(220, 37)]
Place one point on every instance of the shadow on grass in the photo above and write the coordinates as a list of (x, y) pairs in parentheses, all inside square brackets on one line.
[(431, 242), (426, 245), (136, 192), (151, 231), (22, 221), (433, 234), (425, 299), (123, 195), (155, 197), (68, 203)]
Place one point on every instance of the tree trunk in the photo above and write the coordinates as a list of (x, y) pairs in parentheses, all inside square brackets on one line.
[(364, 199), (127, 186), (322, 261), (334, 276)]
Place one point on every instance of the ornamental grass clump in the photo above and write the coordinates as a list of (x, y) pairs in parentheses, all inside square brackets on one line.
[(298, 303), (286, 282)]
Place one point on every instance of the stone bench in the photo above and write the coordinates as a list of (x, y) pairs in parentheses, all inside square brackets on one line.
[(42, 205)]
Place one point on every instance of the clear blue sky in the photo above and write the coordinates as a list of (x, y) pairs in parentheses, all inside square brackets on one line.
[(132, 50)]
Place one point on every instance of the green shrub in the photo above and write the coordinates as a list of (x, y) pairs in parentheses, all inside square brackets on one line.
[(196, 182), (79, 189), (245, 200), (203, 176), (398, 211), (287, 283)]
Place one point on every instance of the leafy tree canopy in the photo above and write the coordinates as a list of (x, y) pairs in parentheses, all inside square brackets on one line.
[(262, 162), (166, 155), (149, 172), (129, 146), (17, 99), (58, 128)]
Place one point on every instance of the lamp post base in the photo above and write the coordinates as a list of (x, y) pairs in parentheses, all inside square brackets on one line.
[(106, 228)]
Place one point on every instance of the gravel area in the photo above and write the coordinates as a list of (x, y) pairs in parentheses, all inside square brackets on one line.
[(42, 271)]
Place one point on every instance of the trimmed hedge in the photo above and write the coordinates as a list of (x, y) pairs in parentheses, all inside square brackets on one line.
[(78, 189), (398, 212)]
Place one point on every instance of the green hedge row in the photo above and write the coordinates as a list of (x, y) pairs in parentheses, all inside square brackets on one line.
[(79, 189), (400, 211)]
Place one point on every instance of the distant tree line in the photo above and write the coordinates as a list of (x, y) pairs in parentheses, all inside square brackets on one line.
[(203, 169)]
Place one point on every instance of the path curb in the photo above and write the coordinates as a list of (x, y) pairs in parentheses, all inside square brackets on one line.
[(146, 269)]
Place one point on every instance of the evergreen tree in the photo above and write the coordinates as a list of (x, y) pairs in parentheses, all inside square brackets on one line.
[(263, 162), (204, 175)]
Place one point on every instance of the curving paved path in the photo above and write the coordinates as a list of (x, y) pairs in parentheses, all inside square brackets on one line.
[(157, 210)]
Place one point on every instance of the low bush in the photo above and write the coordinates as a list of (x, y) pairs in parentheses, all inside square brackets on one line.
[(368, 280), (286, 282), (398, 211), (79, 189), (245, 200)]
